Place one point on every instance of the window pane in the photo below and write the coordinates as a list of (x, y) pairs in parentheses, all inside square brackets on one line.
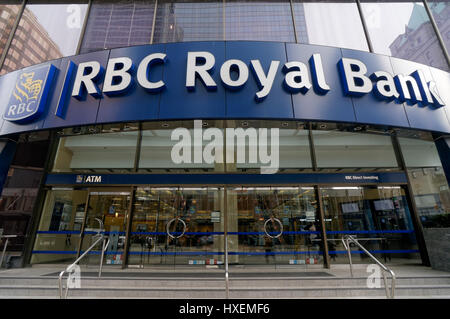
[(419, 153), (371, 211), (118, 23), (100, 152), (428, 181), (59, 229), (259, 20), (8, 15), (344, 149), (293, 148), (156, 153), (178, 21), (330, 23), (441, 14), (45, 32), (403, 30)]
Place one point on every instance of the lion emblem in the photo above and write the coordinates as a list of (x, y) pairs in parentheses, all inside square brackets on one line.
[(27, 89)]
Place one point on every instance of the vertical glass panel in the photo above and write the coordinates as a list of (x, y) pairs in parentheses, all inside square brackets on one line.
[(259, 20), (118, 23), (177, 226), (16, 204), (332, 23), (21, 187), (293, 150), (107, 208), (58, 235), (441, 14), (106, 152), (160, 153), (403, 30), (378, 216), (188, 20), (428, 181), (274, 226), (336, 149), (8, 15), (45, 32)]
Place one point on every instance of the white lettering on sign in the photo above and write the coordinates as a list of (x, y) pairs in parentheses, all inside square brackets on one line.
[(93, 179), (234, 74)]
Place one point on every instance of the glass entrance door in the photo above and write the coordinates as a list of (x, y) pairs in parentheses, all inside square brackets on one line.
[(107, 207), (179, 226), (273, 226), (378, 216)]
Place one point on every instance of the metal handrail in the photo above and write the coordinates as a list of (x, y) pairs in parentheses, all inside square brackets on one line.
[(227, 283), (6, 245), (104, 247), (345, 241)]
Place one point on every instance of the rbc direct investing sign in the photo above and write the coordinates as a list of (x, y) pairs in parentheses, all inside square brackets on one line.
[(225, 80)]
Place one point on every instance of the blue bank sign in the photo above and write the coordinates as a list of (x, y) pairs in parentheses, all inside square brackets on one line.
[(225, 80)]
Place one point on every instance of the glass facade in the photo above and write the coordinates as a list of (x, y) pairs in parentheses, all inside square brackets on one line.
[(259, 20), (272, 225), (403, 30), (397, 28), (118, 23), (58, 235), (331, 23), (441, 14), (187, 20), (336, 149), (45, 32), (378, 215), (428, 182), (88, 152)]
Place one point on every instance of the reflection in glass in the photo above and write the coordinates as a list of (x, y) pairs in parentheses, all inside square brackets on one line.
[(335, 149), (45, 32), (259, 20), (428, 182), (403, 30), (441, 14), (329, 23), (380, 213), (111, 208), (59, 229), (182, 226), (118, 23), (8, 15), (274, 225), (188, 20), (102, 152)]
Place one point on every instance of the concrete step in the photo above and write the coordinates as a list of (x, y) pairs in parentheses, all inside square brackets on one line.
[(252, 292), (292, 282)]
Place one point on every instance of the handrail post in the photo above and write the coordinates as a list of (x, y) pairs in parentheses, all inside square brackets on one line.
[(101, 258), (4, 251), (385, 284), (227, 287), (347, 247)]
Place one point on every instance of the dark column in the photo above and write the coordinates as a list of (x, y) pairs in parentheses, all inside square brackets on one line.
[(443, 148), (7, 151)]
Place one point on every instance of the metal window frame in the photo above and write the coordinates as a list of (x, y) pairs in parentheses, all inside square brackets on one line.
[(12, 33)]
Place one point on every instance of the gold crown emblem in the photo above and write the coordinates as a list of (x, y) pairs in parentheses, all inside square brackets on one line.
[(27, 89)]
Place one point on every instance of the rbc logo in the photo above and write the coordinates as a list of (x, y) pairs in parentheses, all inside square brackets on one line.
[(29, 97)]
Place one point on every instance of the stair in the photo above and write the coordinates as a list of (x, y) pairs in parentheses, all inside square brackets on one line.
[(241, 287)]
